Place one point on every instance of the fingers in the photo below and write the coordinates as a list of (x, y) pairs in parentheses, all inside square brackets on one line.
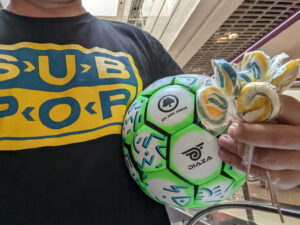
[(271, 143), (227, 143), (282, 179), (278, 136), (272, 159), (290, 111)]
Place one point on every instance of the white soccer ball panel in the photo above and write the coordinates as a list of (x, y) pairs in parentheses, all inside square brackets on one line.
[(149, 150), (157, 84), (195, 154), (191, 80), (215, 193), (169, 192), (170, 107)]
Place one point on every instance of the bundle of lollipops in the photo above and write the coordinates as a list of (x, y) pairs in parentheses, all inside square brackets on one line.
[(252, 93)]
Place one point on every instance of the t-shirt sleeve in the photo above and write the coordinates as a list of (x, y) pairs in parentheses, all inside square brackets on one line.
[(163, 64)]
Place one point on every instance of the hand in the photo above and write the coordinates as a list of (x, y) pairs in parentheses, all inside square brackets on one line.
[(277, 146)]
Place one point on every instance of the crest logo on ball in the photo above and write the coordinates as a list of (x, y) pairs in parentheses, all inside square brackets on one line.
[(168, 103), (195, 152)]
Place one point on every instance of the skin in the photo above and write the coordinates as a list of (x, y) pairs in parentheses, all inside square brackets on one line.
[(46, 8), (277, 146)]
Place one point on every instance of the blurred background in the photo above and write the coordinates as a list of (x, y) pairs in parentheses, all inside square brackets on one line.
[(196, 31)]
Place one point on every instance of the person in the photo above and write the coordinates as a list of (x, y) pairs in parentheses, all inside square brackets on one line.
[(276, 144), (66, 80)]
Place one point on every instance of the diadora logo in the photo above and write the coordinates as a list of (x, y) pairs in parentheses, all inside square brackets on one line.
[(59, 94), (195, 154), (168, 103)]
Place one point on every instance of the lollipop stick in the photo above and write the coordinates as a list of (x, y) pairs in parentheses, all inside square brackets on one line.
[(248, 156), (274, 196), (270, 187), (278, 207)]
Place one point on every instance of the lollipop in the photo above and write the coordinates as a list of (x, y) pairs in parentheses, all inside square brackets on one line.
[(258, 102), (212, 108), (276, 62), (243, 78), (257, 63), (254, 91), (285, 75), (226, 77)]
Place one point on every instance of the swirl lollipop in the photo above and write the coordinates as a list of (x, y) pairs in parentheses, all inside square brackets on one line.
[(212, 108), (256, 63), (254, 91), (226, 77), (258, 102), (243, 78), (285, 76)]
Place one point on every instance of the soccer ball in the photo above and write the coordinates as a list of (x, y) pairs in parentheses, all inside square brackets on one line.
[(169, 153)]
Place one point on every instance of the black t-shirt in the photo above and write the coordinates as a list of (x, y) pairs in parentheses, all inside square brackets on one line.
[(65, 84)]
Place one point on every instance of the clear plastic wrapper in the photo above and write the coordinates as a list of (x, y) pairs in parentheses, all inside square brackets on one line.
[(285, 75), (259, 101), (215, 107), (212, 109), (244, 77), (225, 75), (277, 62), (235, 66), (258, 64), (251, 95)]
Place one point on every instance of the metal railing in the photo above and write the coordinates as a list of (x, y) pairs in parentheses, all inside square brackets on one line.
[(244, 205)]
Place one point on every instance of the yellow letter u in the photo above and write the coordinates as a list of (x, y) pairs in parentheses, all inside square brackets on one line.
[(49, 78)]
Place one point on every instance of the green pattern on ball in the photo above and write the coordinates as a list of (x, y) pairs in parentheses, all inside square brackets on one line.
[(214, 191), (157, 85), (149, 149), (164, 187), (172, 158), (132, 170), (191, 81), (134, 119), (238, 175)]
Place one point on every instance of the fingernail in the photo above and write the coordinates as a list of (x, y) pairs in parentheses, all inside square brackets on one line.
[(225, 141), (223, 155), (232, 129)]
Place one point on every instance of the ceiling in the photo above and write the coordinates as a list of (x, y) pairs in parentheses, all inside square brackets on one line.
[(287, 41), (252, 20), (193, 39)]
